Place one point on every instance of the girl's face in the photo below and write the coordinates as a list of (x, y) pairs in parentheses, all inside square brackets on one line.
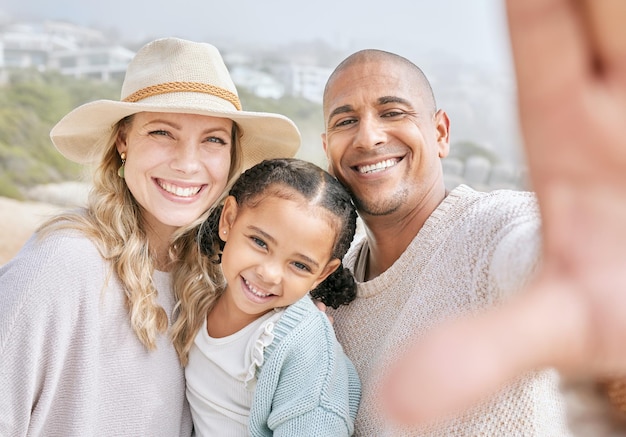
[(176, 167), (275, 253)]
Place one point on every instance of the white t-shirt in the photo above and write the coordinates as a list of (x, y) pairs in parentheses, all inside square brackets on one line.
[(221, 377)]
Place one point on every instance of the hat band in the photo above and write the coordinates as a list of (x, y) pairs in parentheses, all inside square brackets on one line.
[(182, 87)]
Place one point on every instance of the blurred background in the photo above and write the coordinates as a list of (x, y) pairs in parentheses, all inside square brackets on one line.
[(57, 55)]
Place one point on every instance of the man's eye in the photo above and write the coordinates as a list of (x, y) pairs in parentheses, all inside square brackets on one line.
[(390, 114), (346, 122)]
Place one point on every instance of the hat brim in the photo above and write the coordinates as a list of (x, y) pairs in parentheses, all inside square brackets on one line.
[(81, 135)]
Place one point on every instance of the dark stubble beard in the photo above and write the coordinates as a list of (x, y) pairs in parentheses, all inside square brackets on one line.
[(381, 206)]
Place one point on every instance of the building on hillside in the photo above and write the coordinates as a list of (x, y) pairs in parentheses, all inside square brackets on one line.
[(307, 81), (257, 82), (86, 53), (73, 50), (103, 63)]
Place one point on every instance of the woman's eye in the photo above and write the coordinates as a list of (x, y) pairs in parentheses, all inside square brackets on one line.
[(217, 140), (159, 132)]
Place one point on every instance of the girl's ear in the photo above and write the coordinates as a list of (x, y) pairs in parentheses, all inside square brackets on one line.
[(227, 218), (330, 267)]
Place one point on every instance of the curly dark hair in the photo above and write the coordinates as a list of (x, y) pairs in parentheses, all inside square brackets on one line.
[(280, 177)]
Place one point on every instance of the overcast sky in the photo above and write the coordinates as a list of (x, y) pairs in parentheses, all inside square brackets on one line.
[(470, 30)]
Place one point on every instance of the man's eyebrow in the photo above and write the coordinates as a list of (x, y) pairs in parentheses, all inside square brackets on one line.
[(381, 101), (339, 110), (393, 99)]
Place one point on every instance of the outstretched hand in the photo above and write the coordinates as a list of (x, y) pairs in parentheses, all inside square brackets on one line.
[(570, 60)]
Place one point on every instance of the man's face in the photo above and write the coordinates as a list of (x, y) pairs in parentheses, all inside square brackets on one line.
[(381, 140)]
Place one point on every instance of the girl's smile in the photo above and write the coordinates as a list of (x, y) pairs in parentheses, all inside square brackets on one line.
[(276, 250)]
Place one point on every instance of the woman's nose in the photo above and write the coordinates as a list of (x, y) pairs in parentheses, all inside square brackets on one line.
[(186, 158)]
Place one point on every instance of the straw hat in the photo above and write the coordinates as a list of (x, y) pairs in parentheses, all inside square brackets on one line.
[(175, 75)]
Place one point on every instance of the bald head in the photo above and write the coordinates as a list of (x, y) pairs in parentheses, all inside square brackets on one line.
[(393, 61)]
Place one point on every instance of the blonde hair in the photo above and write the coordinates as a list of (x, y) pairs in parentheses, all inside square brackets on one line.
[(198, 283), (113, 221)]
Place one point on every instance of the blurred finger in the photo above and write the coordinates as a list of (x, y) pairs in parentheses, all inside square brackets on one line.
[(545, 33), (464, 361), (606, 24), (552, 62)]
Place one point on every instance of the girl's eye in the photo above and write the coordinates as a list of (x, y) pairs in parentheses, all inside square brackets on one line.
[(301, 266), (259, 242)]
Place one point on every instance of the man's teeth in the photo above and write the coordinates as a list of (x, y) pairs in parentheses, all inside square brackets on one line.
[(179, 191), (382, 165), (255, 291)]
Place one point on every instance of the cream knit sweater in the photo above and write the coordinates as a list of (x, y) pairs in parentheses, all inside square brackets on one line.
[(70, 363), (474, 251)]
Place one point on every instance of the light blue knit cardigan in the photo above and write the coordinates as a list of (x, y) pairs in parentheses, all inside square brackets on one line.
[(306, 386)]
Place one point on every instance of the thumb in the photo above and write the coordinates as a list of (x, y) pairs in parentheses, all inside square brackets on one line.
[(463, 361)]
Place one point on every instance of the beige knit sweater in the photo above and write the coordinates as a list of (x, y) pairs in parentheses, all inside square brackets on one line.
[(70, 362), (474, 251)]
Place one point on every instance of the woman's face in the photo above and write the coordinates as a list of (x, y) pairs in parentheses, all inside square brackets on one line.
[(176, 167)]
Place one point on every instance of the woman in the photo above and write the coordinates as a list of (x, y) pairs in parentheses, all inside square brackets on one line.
[(85, 306)]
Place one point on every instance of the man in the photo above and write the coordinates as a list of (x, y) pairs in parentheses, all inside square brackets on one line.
[(569, 58), (427, 254)]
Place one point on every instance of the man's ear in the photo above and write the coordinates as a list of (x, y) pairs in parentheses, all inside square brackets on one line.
[(442, 125), (228, 216)]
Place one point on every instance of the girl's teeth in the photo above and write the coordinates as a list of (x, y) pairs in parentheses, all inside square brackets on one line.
[(255, 291)]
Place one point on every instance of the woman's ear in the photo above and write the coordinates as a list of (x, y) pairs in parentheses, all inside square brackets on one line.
[(227, 218), (120, 141)]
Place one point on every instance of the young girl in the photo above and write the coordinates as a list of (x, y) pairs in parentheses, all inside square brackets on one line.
[(261, 359)]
